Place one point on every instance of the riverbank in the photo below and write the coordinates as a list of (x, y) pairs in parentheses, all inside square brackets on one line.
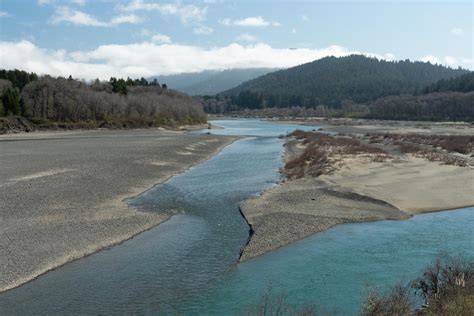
[(63, 193), (20, 124), (357, 177)]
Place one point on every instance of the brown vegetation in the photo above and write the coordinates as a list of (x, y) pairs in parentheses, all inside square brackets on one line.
[(447, 106), (59, 103), (432, 147), (62, 100), (271, 304), (451, 143), (397, 301), (446, 287), (323, 150)]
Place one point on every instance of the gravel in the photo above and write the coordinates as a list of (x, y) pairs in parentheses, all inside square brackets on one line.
[(62, 193)]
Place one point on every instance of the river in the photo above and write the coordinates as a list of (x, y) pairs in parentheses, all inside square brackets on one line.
[(189, 263)]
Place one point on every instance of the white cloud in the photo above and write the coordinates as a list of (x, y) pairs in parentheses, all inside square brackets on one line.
[(205, 30), (122, 19), (389, 56), (256, 21), (161, 39), (451, 61), (68, 15), (4, 14), (305, 18), (430, 59), (246, 38), (186, 12), (148, 58), (293, 31), (456, 31)]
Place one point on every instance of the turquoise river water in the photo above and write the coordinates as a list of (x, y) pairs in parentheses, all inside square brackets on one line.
[(188, 264)]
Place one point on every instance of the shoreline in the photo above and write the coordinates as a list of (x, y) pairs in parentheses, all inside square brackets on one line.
[(350, 190), (243, 258), (124, 211), (76, 258), (277, 223)]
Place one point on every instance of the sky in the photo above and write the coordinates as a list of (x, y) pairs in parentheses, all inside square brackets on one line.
[(91, 39)]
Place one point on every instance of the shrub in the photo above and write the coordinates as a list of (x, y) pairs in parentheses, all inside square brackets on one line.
[(398, 301), (446, 287)]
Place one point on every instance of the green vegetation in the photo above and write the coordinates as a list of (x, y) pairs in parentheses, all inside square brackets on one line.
[(50, 102), (10, 103), (464, 83), (329, 81), (18, 78), (356, 86)]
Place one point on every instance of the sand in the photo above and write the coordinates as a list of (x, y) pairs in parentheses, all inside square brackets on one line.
[(365, 126), (62, 193), (412, 184), (359, 190)]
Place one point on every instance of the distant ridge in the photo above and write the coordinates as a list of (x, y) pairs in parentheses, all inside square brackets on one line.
[(211, 82)]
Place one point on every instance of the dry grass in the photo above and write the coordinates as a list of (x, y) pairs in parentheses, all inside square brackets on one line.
[(323, 152), (398, 301), (439, 148), (451, 143), (273, 304), (446, 287)]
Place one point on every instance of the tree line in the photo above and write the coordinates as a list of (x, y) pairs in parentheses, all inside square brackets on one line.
[(464, 83), (113, 103), (356, 86)]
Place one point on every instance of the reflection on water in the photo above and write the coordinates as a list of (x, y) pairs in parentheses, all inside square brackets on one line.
[(188, 264)]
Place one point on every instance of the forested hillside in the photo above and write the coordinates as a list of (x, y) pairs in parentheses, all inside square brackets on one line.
[(115, 103), (464, 83), (211, 82), (330, 81)]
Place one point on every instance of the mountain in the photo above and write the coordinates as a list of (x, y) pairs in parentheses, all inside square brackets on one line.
[(331, 80), (211, 82)]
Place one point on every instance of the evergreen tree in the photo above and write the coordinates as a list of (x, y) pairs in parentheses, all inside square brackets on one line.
[(118, 86), (11, 102), (2, 109)]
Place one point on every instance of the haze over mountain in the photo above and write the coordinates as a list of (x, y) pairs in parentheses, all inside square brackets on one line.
[(329, 81), (211, 82)]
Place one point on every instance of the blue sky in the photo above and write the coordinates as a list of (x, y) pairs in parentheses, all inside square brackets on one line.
[(100, 38)]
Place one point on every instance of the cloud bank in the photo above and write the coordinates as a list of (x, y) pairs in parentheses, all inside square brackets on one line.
[(160, 57)]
